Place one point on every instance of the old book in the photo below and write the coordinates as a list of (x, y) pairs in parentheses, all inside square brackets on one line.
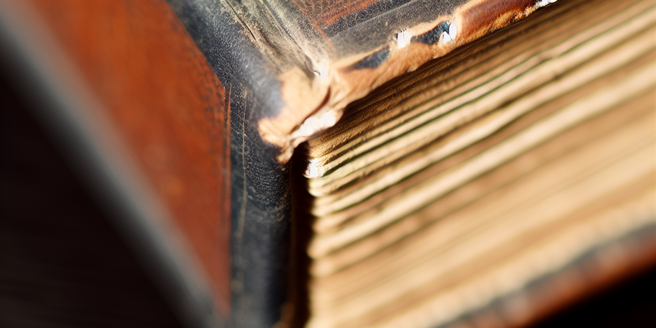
[(488, 185), (357, 164)]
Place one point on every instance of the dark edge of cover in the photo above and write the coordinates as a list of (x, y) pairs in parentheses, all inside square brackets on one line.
[(261, 204)]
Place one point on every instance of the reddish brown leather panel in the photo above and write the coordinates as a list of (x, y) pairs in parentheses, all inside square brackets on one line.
[(168, 106)]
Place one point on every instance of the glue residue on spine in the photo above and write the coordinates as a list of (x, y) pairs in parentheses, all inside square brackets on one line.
[(374, 60), (444, 31), (403, 38), (317, 104), (543, 3)]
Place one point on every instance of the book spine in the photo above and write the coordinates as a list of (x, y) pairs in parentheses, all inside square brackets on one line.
[(260, 185)]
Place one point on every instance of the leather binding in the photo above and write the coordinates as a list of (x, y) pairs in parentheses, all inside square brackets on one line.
[(191, 155), (294, 67)]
